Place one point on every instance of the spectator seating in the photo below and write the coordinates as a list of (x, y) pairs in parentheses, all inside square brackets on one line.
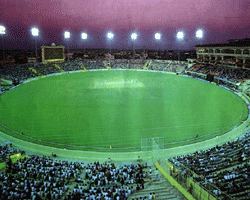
[(41, 177), (232, 74), (225, 166)]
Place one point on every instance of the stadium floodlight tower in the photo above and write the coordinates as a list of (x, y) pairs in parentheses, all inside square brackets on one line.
[(134, 37), (110, 37), (84, 37), (67, 36), (180, 36), (157, 37), (35, 33), (199, 34), (2, 32)]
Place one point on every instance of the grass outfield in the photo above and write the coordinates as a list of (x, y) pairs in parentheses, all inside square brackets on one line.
[(118, 108)]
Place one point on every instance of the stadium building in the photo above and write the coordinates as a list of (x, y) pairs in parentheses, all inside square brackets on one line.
[(236, 53)]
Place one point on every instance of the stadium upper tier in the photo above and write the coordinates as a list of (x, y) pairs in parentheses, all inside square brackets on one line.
[(31, 70), (235, 53)]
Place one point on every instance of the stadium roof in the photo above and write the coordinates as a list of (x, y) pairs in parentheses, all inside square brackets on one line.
[(231, 43)]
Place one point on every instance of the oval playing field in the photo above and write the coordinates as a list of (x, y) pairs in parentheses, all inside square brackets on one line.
[(99, 110)]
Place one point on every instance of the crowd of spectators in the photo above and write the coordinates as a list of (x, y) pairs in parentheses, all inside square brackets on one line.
[(234, 181), (125, 64), (229, 73), (41, 177), (223, 168), (169, 66), (44, 69), (73, 65), (118, 64), (36, 177), (24, 71), (136, 64), (158, 65), (21, 72), (107, 181), (5, 151)]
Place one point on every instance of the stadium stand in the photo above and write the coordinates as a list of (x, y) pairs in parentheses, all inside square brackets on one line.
[(232, 74), (223, 169), (45, 69), (168, 65), (43, 177), (31, 70), (20, 72), (37, 176)]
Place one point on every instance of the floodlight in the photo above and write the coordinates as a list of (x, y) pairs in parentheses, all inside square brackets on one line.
[(66, 34), (134, 36), (35, 31), (199, 34), (2, 30), (110, 35), (158, 36), (84, 36), (180, 35)]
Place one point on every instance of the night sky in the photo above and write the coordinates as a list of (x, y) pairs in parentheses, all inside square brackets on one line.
[(219, 19)]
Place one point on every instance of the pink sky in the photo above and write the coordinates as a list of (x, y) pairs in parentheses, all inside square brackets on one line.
[(119, 14), (228, 17)]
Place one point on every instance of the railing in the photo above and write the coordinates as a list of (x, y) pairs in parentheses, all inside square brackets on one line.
[(224, 54)]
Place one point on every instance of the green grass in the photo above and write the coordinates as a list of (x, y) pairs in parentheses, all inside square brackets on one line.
[(118, 108)]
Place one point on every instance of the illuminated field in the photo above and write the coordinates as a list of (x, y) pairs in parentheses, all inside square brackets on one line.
[(118, 108)]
